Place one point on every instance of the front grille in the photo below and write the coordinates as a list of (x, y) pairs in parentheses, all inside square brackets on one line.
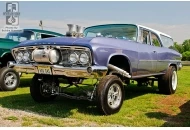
[(64, 51)]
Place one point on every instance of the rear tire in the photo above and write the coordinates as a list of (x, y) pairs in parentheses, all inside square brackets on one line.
[(110, 95), (9, 79), (167, 84), (36, 91)]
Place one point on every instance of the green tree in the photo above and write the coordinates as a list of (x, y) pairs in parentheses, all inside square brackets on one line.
[(186, 45), (178, 47), (186, 56)]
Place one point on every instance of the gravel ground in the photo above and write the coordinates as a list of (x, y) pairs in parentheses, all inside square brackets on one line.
[(18, 118), (6, 113)]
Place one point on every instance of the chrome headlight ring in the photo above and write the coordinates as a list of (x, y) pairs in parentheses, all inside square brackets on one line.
[(84, 58), (26, 56), (73, 57), (54, 56), (19, 56)]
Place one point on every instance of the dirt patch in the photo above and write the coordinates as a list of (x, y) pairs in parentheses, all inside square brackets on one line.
[(16, 118), (170, 105), (177, 108)]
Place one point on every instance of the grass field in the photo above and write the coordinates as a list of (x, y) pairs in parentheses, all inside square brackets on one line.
[(143, 106)]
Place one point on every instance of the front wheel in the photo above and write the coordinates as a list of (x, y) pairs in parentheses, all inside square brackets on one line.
[(38, 91), (110, 94), (167, 84), (9, 79)]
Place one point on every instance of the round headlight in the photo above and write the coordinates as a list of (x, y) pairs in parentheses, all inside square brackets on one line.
[(84, 58), (19, 56), (54, 56), (73, 57), (26, 56)]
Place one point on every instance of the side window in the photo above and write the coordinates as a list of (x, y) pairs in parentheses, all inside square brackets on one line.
[(144, 38), (46, 36), (167, 41), (38, 36), (154, 40)]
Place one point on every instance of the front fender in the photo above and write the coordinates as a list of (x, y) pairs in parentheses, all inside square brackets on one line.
[(120, 54), (2, 54)]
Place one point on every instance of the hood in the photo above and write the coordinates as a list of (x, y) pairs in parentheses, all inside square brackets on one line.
[(5, 39), (70, 41), (66, 41), (7, 43)]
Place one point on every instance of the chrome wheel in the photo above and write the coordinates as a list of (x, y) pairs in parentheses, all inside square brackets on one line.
[(174, 80), (114, 96), (110, 94), (10, 80)]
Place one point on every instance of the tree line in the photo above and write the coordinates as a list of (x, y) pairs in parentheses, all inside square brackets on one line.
[(184, 49)]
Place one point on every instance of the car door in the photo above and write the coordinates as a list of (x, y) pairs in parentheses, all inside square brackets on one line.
[(156, 43), (147, 54)]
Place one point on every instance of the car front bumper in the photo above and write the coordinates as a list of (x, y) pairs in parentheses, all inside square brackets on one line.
[(82, 72)]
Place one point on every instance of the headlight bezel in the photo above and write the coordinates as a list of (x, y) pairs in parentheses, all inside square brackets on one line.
[(29, 56), (87, 58), (54, 54), (76, 59), (17, 55)]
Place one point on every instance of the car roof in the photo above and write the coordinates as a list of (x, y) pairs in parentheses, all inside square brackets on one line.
[(40, 31), (44, 31), (155, 31)]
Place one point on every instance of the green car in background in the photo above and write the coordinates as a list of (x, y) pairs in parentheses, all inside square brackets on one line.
[(9, 78)]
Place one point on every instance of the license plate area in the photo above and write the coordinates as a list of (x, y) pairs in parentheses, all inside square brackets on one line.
[(44, 70)]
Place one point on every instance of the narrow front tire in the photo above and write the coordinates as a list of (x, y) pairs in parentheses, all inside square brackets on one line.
[(9, 79), (110, 95)]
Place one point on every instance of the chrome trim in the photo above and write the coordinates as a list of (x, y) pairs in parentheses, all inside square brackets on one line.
[(146, 75), (74, 48), (80, 57), (96, 71), (119, 70), (77, 57)]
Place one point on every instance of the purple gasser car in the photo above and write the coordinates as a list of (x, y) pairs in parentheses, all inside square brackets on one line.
[(113, 54)]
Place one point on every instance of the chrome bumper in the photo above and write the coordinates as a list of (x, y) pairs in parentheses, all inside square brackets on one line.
[(82, 72)]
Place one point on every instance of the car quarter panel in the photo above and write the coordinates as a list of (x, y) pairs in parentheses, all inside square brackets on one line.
[(166, 57)]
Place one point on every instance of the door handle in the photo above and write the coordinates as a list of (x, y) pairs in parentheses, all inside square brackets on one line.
[(154, 51)]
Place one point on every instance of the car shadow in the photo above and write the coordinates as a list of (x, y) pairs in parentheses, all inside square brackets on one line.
[(25, 83), (133, 91), (180, 120), (63, 107)]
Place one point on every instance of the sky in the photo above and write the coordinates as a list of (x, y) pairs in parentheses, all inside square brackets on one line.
[(171, 18)]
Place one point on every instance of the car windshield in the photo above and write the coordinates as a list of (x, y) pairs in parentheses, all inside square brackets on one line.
[(21, 36), (123, 31)]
